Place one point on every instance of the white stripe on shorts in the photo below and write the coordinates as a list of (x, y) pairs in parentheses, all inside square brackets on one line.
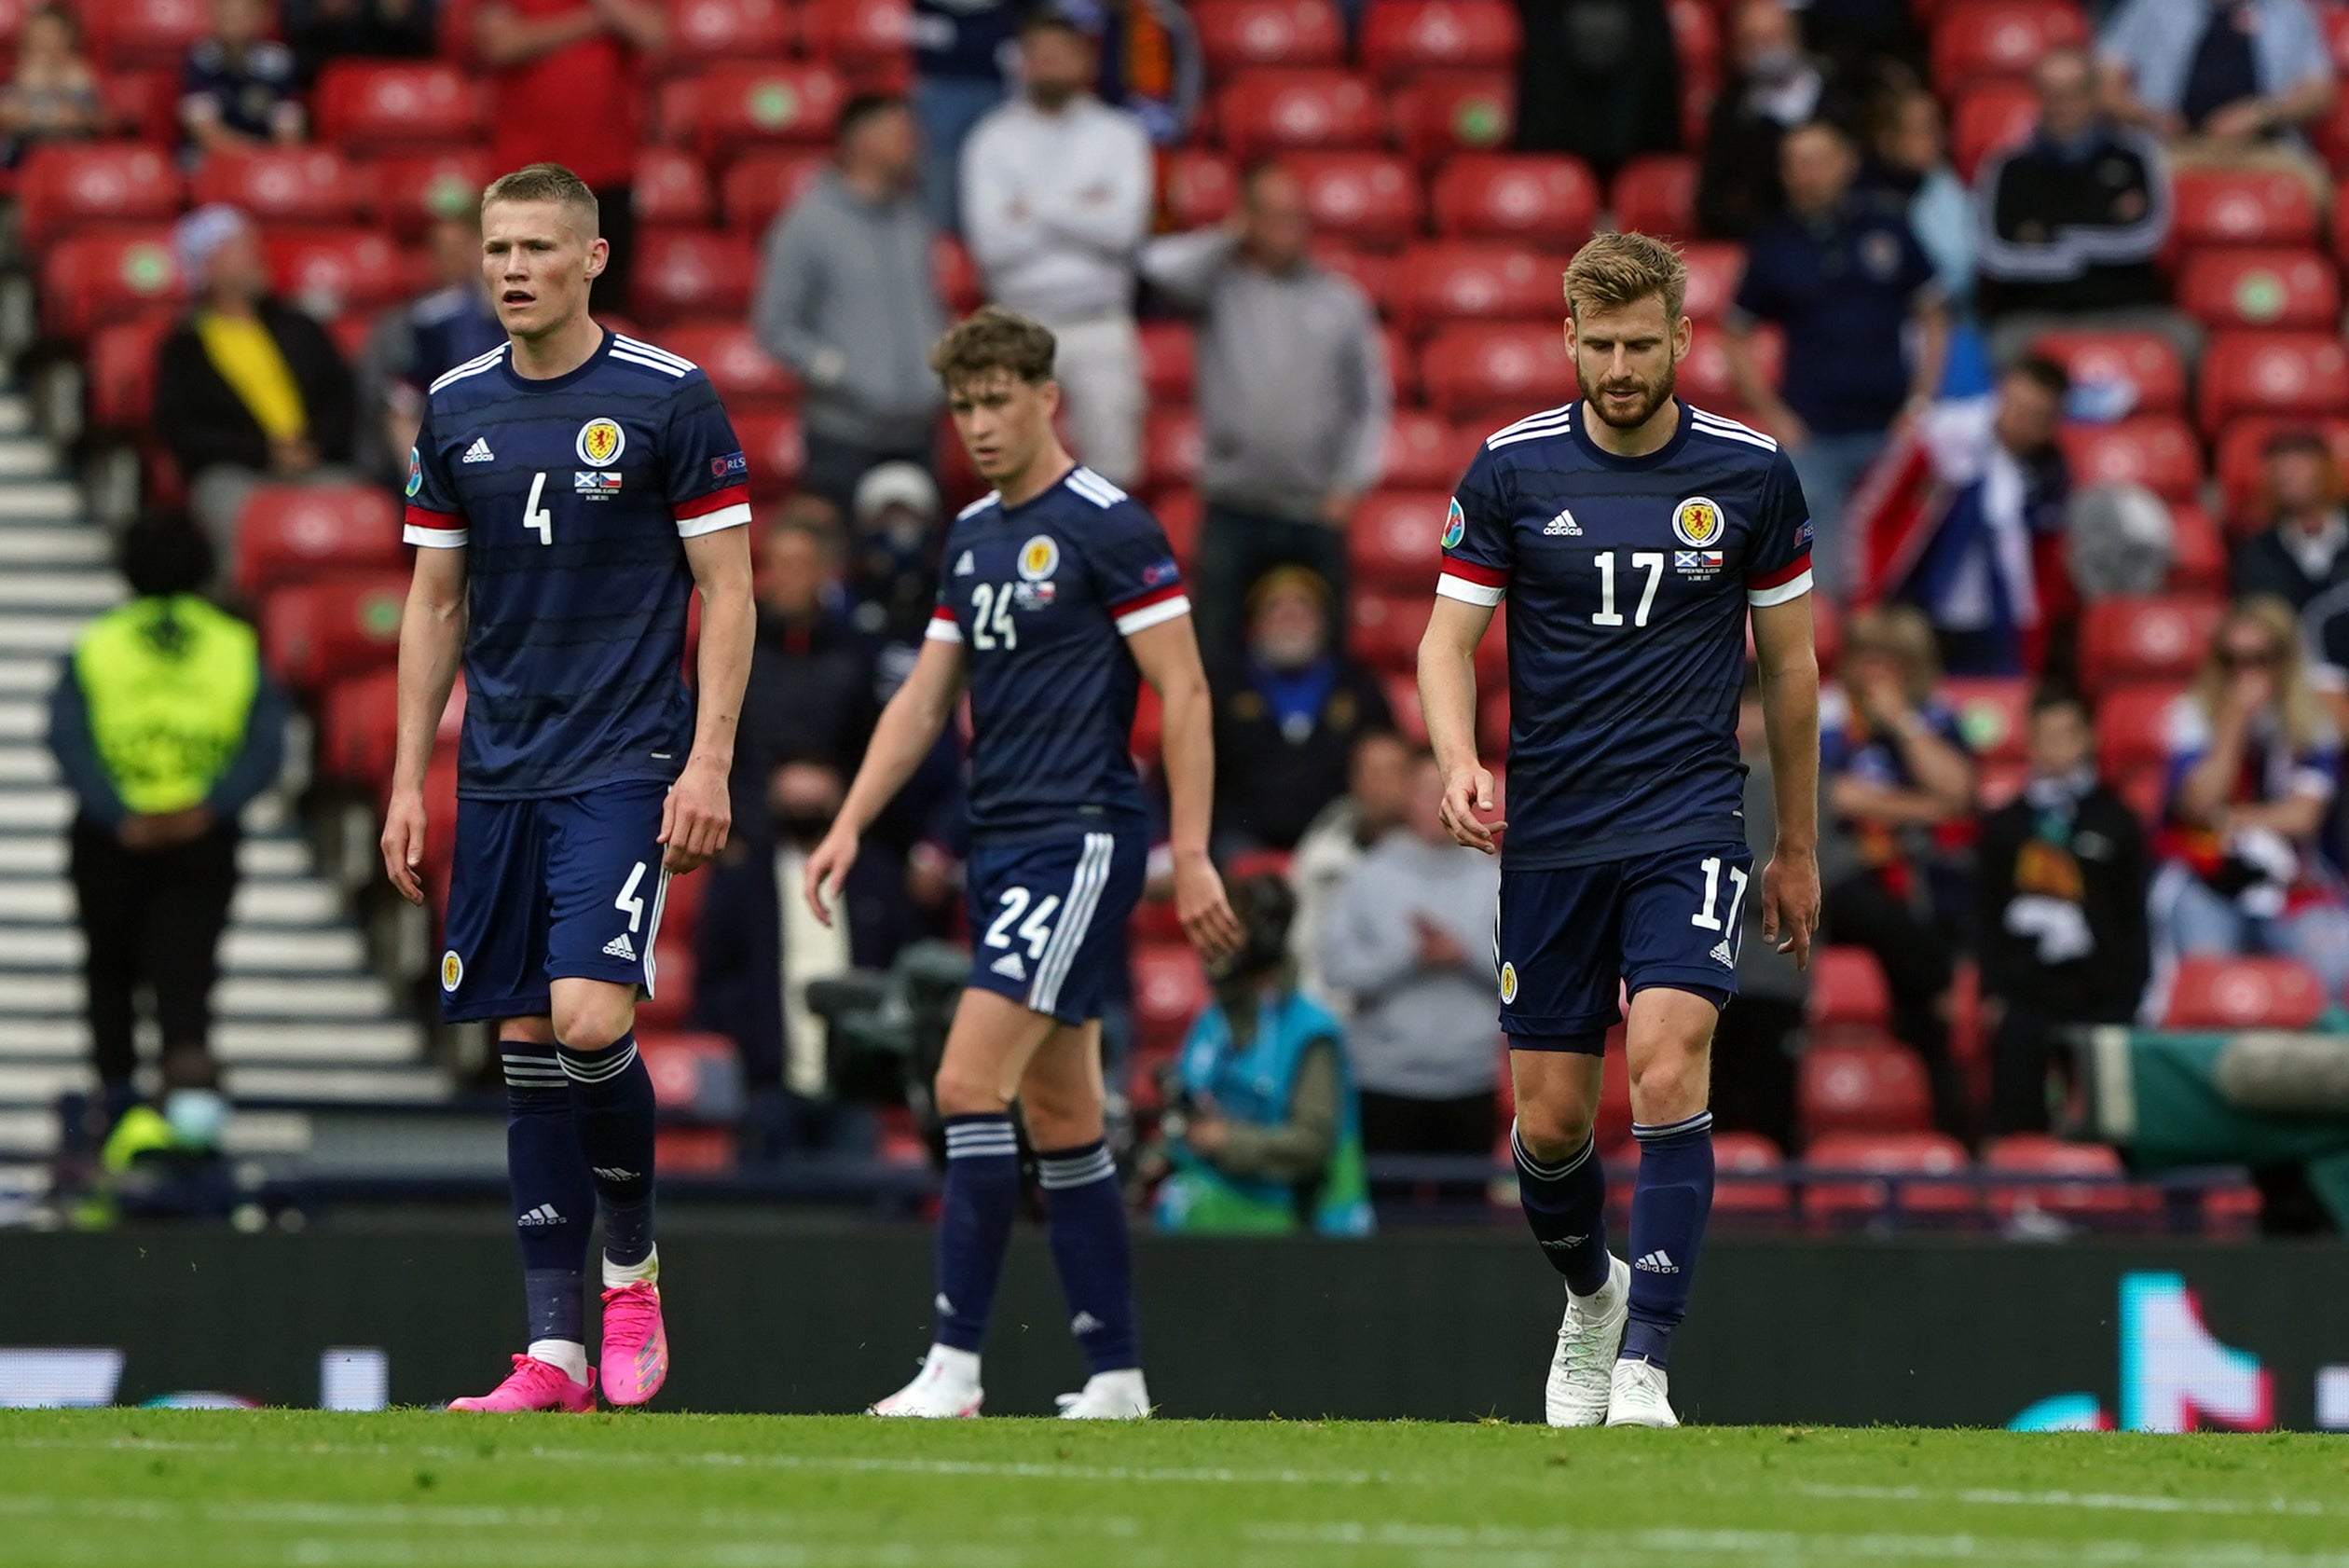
[(1084, 893)]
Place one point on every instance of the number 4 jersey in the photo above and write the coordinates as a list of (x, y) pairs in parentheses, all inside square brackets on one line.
[(1629, 581), (573, 497)]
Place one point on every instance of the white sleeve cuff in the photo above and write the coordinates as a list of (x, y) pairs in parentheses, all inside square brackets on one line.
[(735, 516), (1794, 587), (436, 539), (1449, 586), (941, 630), (1153, 614)]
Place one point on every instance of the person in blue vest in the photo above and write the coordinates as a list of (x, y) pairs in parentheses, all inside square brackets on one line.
[(165, 727), (1263, 1131)]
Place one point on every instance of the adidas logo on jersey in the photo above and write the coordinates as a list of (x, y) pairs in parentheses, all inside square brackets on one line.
[(1010, 966), (542, 1215), (1722, 955), (1563, 525), (479, 451), (621, 947), (966, 566), (1658, 1263)]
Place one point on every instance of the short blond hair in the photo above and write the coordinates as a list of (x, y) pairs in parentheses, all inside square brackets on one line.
[(1614, 270), (548, 182)]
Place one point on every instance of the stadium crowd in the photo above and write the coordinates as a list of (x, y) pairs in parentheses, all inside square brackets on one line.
[(2036, 294)]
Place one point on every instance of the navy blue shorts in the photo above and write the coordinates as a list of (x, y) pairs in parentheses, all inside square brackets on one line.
[(1568, 939), (552, 889), (1047, 918)]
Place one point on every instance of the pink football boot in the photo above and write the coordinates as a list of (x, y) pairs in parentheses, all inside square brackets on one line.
[(635, 1345), (534, 1386)]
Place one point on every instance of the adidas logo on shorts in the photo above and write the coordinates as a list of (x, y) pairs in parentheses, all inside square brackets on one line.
[(621, 947), (1658, 1263), (1085, 1323), (1010, 966), (1722, 955)]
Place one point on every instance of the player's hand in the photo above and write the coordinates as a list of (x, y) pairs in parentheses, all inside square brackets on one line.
[(696, 817), (1790, 902), (1467, 791), (827, 868), (404, 844), (1202, 907)]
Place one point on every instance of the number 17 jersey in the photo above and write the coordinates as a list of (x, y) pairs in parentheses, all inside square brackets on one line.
[(1628, 579)]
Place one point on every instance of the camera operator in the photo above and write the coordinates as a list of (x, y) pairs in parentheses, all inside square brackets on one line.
[(1261, 1130)]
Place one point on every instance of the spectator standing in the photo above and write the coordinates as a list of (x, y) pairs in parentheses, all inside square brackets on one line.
[(321, 31), (52, 94), (1899, 782), (2304, 549), (238, 88), (2227, 82), (2253, 766), (1844, 277), (1377, 798), (2072, 220), (811, 693), (1908, 161), (165, 727), (2061, 903), (1597, 78), (247, 389), (1151, 65), (849, 301), (1773, 88), (1056, 197), (1409, 939), (565, 90), (431, 336), (1288, 715), (963, 53), (1293, 391)]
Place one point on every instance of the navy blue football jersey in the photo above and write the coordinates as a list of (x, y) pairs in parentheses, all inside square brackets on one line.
[(1042, 597), (573, 497), (1627, 580)]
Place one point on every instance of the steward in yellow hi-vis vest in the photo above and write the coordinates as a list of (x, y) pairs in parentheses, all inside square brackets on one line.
[(165, 727)]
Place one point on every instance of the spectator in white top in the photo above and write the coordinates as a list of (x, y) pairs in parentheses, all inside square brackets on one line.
[(1056, 196), (2225, 82)]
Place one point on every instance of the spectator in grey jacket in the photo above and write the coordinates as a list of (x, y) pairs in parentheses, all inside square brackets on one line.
[(1409, 935), (1293, 387), (847, 299)]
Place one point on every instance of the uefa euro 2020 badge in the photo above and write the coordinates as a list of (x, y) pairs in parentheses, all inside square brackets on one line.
[(416, 470), (1455, 525)]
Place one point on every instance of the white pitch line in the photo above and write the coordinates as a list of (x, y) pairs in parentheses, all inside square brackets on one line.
[(1793, 1546), (2123, 1502)]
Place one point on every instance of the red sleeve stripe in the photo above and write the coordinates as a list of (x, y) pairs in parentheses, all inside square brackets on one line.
[(716, 500), (1148, 597), (940, 613), (1784, 574), (422, 517), (1471, 572)]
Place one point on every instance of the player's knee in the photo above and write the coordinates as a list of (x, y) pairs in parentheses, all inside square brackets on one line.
[(1555, 1130), (961, 1091), (593, 1025), (1676, 1076), (1058, 1120)]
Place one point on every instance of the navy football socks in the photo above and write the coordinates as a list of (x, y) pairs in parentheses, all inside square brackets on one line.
[(1566, 1204), (1085, 1212), (554, 1195), (974, 1223), (1669, 1207), (613, 1109)]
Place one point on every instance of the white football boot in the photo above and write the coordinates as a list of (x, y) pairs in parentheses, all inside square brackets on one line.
[(1587, 1343), (945, 1387), (1639, 1396), (1118, 1395)]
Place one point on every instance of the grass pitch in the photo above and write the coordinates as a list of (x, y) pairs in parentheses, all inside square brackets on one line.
[(192, 1488)]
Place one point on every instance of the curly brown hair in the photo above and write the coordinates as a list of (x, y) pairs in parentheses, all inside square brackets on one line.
[(1614, 270), (993, 338)]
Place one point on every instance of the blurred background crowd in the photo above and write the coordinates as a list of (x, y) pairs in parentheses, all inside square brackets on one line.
[(2042, 298)]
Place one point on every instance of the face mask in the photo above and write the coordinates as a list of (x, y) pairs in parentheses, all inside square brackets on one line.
[(197, 1117)]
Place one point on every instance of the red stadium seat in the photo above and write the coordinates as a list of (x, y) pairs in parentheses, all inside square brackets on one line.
[(1395, 540), (747, 376), (2241, 459), (2214, 992), (2145, 362), (143, 104), (745, 104), (1264, 112), (1714, 269), (684, 273), (1695, 39), (1374, 272), (692, 1072), (1424, 451), (99, 278), (331, 272), (2155, 450), (2198, 562), (1546, 200), (956, 275), (2081, 1177), (1746, 1159), (2133, 726), (2272, 373), (1704, 375), (2255, 286), (704, 30), (1166, 361), (1655, 193), (1435, 117), (2240, 206), (408, 193), (281, 185), (292, 533), (313, 634), (1978, 39), (102, 186), (1179, 513), (1170, 989), (1874, 1087), (1492, 723), (1993, 715), (1402, 37), (1465, 280), (143, 34), (773, 445), (1196, 188), (672, 189), (1384, 629), (871, 40), (1365, 198), (1885, 1154), (1847, 990), (1479, 370), (759, 184), (1989, 117), (1172, 447), (380, 107), (2128, 639), (358, 725), (1235, 34), (120, 364)]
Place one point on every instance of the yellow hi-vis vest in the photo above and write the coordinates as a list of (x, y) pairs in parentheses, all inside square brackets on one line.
[(167, 711)]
